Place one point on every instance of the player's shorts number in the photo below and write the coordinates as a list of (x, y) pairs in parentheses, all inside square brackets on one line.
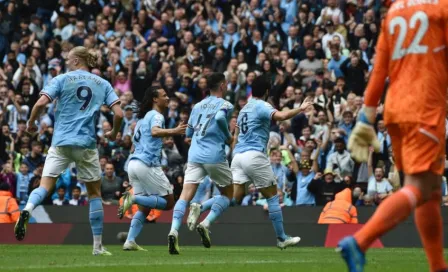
[(243, 125), (415, 47), (84, 93)]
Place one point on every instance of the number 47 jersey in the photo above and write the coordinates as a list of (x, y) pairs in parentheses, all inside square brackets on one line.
[(208, 141), (79, 95), (254, 121), (412, 52)]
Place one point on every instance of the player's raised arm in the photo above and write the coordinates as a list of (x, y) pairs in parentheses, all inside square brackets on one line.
[(288, 114), (364, 135)]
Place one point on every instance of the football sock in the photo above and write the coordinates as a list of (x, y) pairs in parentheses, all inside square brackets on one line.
[(428, 220), (152, 201), (178, 214), (276, 216), (36, 197), (219, 206), (392, 211), (136, 225), (207, 205), (96, 217)]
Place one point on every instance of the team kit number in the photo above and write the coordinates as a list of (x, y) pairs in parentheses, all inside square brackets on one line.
[(243, 125), (415, 47), (84, 94), (198, 126)]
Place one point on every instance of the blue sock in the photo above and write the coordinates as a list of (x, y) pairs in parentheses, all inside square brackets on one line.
[(220, 205), (276, 216), (96, 216), (208, 204), (178, 214), (152, 201), (136, 225), (36, 197)]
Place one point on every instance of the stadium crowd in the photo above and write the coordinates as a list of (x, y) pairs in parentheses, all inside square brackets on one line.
[(320, 49)]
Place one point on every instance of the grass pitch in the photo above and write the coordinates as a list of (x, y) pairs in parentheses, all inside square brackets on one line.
[(229, 259)]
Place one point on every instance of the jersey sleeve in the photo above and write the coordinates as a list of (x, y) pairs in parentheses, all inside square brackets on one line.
[(111, 97), (375, 86), (158, 121), (53, 88), (266, 111), (227, 107)]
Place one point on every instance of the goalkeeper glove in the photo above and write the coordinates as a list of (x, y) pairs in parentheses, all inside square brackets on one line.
[(363, 135)]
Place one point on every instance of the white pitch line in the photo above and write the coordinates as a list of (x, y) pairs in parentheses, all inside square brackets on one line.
[(168, 263)]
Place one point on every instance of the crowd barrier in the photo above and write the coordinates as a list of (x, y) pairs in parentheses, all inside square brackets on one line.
[(238, 226)]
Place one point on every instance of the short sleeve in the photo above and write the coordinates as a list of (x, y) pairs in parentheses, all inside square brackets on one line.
[(53, 89), (227, 107), (266, 111), (111, 97), (157, 121)]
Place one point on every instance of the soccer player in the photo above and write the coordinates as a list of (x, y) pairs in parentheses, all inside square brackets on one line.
[(80, 95), (412, 52), (208, 127), (152, 190), (250, 162)]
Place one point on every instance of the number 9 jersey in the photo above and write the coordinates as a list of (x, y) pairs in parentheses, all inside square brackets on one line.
[(412, 52), (254, 121), (79, 95)]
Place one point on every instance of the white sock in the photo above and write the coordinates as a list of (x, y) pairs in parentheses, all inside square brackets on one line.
[(206, 223), (29, 207), (173, 231), (97, 241)]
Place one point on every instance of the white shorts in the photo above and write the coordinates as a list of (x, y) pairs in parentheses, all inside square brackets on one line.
[(253, 166), (86, 160), (219, 173), (148, 180)]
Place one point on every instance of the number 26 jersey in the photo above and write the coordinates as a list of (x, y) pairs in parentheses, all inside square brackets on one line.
[(79, 95), (254, 122), (412, 52)]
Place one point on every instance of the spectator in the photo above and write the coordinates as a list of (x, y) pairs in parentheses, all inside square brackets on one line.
[(324, 190), (8, 205), (378, 187), (35, 158), (110, 185), (7, 176), (340, 163), (309, 66), (280, 171), (23, 181), (77, 199), (60, 200)]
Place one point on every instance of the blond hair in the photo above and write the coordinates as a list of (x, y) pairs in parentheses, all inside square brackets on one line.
[(87, 57)]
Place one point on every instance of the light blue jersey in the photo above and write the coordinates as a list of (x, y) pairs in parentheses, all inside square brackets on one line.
[(148, 149), (80, 95), (254, 122), (208, 141)]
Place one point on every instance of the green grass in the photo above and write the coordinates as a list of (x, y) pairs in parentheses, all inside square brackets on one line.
[(198, 259)]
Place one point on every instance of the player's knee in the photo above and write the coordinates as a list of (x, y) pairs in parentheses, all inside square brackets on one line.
[(426, 182)]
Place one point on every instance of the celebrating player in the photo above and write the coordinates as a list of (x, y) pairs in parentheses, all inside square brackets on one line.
[(250, 162), (152, 190), (208, 127), (80, 95), (412, 51)]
